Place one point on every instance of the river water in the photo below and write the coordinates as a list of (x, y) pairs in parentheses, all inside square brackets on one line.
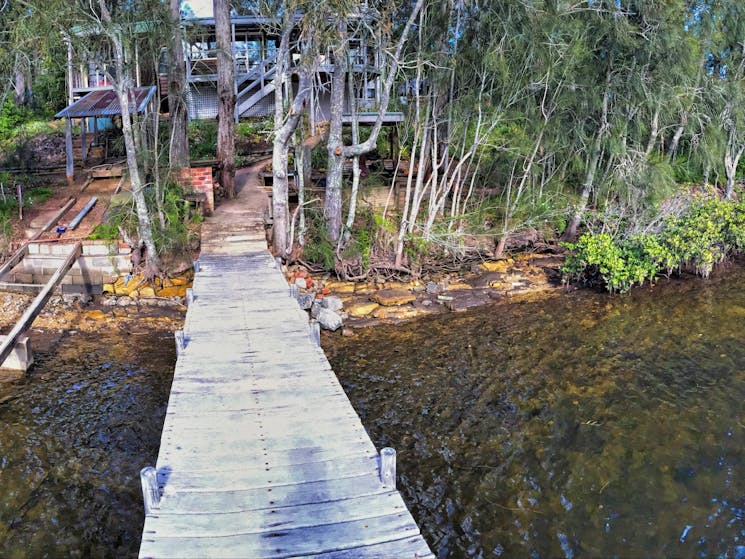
[(74, 434), (584, 425)]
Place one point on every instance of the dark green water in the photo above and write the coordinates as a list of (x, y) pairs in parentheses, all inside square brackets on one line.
[(582, 426), (74, 434)]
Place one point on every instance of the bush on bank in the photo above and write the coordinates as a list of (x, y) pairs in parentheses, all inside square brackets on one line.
[(707, 232)]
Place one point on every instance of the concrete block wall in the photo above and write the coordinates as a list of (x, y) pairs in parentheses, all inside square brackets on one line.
[(100, 263)]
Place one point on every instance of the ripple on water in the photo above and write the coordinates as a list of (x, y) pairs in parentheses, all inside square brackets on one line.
[(582, 426), (76, 431)]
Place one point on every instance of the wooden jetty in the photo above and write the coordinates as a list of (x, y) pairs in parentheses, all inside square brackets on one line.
[(262, 454)]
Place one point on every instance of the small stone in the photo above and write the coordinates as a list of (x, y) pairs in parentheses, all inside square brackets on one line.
[(332, 303), (329, 320), (305, 301), (124, 301), (432, 288), (301, 283), (109, 302), (426, 302), (445, 298), (315, 308), (347, 332)]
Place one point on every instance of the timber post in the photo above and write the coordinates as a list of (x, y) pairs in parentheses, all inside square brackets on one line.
[(150, 492), (315, 332), (388, 467), (180, 341)]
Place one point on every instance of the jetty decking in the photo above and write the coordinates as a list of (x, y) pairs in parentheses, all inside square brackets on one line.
[(262, 454)]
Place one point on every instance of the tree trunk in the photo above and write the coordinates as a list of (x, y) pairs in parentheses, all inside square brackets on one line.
[(337, 151), (286, 119), (178, 152), (570, 233), (226, 97), (731, 161), (122, 86), (332, 209)]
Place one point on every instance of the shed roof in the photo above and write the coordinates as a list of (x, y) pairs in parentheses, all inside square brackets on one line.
[(104, 103)]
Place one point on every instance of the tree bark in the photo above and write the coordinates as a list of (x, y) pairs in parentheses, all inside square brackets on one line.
[(286, 119), (123, 88), (226, 97), (178, 152), (337, 151), (332, 209)]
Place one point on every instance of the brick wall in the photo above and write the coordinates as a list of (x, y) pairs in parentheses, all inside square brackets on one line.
[(199, 179)]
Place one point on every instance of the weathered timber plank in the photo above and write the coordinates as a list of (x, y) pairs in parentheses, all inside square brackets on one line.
[(208, 502), (222, 457), (277, 517), (409, 548), (37, 305), (281, 543)]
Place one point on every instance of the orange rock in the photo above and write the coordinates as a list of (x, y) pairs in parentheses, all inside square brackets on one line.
[(174, 291)]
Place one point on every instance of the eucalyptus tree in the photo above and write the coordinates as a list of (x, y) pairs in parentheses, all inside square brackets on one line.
[(178, 144), (225, 97), (298, 28), (379, 21)]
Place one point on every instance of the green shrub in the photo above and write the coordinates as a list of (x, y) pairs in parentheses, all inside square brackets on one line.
[(704, 235)]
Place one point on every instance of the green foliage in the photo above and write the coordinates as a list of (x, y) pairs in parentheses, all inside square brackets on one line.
[(705, 234), (202, 139), (318, 248), (11, 117)]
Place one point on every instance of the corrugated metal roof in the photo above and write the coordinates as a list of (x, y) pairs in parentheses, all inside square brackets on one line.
[(105, 103)]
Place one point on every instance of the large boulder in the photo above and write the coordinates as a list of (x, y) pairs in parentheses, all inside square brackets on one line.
[(329, 320), (332, 303)]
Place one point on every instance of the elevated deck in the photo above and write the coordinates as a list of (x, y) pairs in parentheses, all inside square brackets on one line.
[(262, 454)]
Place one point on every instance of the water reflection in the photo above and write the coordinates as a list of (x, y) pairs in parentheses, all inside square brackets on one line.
[(580, 426), (75, 432)]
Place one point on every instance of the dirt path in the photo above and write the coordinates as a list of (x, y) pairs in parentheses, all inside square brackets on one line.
[(238, 224)]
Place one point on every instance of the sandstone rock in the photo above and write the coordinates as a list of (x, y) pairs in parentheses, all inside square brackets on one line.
[(340, 286), (393, 297), (332, 303), (498, 266), (147, 291), (95, 315), (397, 313), (174, 291), (465, 301), (458, 287), (360, 309), (329, 320)]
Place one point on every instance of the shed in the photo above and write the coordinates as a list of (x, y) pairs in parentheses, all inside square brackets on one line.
[(95, 105)]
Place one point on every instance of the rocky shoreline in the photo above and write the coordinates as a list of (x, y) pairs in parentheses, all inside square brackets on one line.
[(128, 305), (357, 305)]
